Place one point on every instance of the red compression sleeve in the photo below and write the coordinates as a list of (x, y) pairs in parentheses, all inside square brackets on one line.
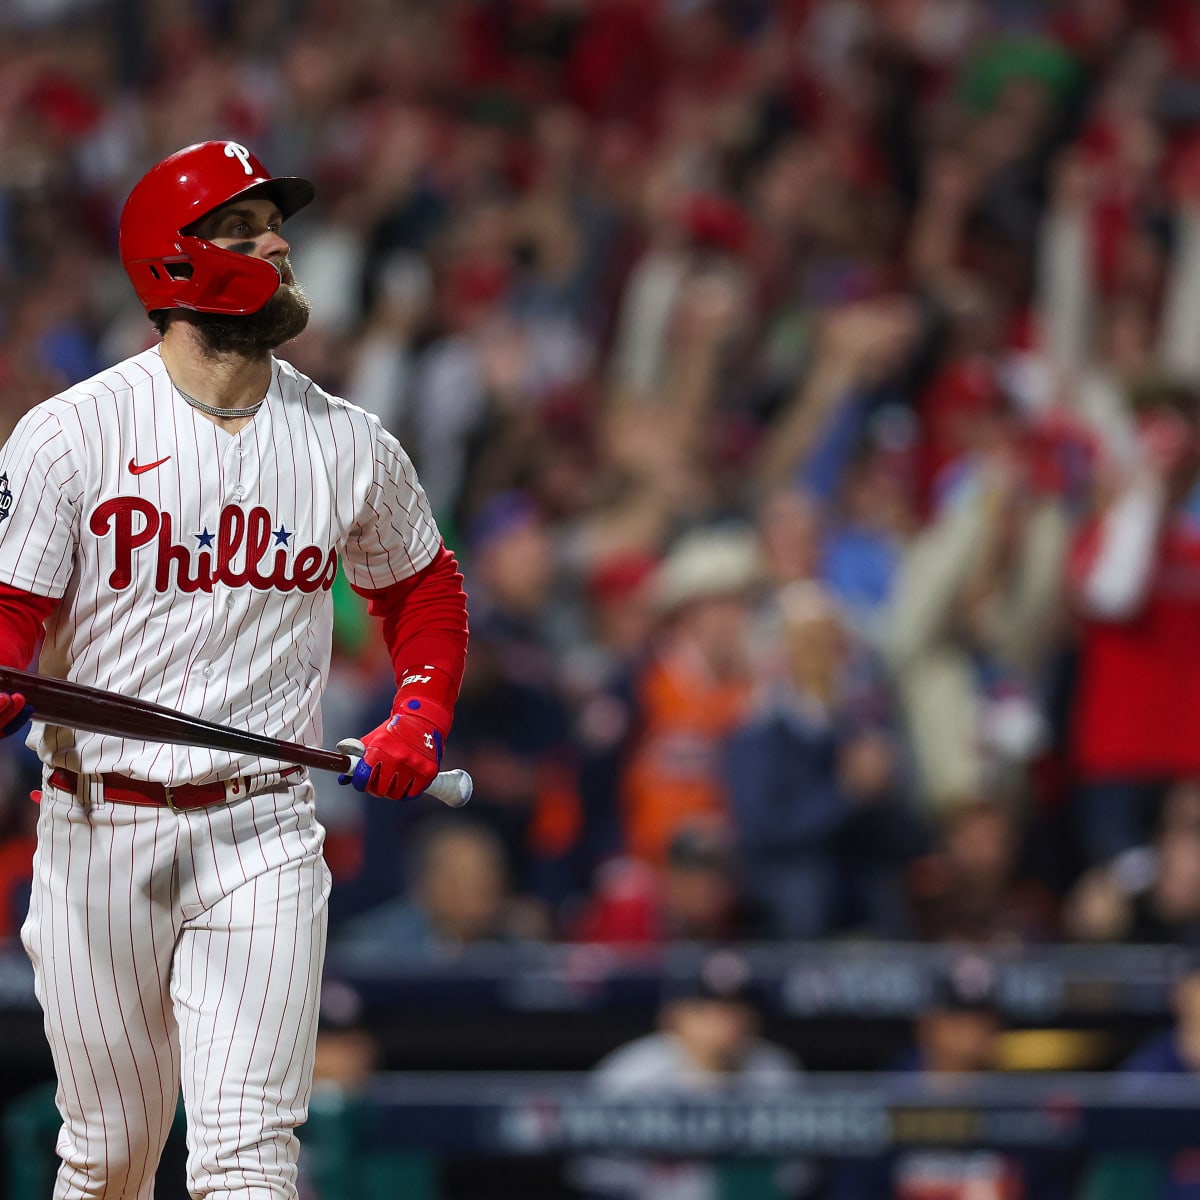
[(22, 618), (425, 626)]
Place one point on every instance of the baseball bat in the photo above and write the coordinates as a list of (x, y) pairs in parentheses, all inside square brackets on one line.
[(78, 706)]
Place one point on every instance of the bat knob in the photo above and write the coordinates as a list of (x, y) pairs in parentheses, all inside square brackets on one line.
[(452, 788)]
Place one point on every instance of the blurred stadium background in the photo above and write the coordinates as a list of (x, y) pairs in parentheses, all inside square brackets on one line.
[(809, 389)]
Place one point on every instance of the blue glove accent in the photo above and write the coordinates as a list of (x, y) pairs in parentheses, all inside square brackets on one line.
[(19, 720), (361, 776)]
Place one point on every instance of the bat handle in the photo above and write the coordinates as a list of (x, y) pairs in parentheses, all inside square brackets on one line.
[(453, 788)]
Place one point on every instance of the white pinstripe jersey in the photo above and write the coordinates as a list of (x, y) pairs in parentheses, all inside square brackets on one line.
[(195, 565)]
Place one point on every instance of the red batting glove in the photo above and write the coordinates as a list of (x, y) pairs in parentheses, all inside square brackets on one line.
[(14, 712), (402, 755)]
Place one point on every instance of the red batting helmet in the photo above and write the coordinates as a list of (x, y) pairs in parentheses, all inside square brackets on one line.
[(170, 268)]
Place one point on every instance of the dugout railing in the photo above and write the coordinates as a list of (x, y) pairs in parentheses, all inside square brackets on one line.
[(391, 1139), (839, 980), (541, 1004)]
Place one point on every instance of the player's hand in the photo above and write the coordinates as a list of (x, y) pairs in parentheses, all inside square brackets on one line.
[(14, 712), (401, 756)]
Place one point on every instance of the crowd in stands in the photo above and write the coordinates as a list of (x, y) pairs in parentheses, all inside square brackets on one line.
[(810, 390)]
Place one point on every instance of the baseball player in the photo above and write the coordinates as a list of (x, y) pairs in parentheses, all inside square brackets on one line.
[(172, 527)]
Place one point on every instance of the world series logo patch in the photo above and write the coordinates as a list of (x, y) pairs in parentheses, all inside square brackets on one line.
[(5, 497)]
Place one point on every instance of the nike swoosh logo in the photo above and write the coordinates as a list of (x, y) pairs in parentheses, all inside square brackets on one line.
[(134, 469)]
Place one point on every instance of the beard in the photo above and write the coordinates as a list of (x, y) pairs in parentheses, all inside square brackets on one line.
[(282, 318)]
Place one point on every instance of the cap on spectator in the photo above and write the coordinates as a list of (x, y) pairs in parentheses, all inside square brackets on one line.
[(341, 1006), (717, 223), (620, 577), (498, 516), (1009, 59), (697, 847), (706, 563), (965, 983), (67, 109), (720, 975)]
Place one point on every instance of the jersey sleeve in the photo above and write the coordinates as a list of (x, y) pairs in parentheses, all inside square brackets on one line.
[(395, 535), (39, 506)]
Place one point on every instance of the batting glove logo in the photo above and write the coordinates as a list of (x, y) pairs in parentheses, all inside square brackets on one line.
[(5, 497)]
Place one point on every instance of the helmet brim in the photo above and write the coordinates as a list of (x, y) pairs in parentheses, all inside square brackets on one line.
[(289, 192)]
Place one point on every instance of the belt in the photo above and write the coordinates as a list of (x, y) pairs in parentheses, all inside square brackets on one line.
[(121, 789)]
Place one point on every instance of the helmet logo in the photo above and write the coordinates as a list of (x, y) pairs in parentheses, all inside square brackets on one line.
[(233, 150)]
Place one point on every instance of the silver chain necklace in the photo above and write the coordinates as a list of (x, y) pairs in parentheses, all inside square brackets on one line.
[(222, 414)]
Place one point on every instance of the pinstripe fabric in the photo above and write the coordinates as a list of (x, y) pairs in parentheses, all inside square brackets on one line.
[(194, 569), (175, 949), (253, 653)]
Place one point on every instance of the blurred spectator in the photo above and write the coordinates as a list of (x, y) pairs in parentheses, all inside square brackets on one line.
[(346, 1059), (852, 540), (601, 672), (458, 895), (817, 784), (693, 896), (347, 1053), (883, 281), (958, 1033), (1176, 1051), (1119, 258), (1135, 584), (1150, 893), (664, 457), (971, 888), (692, 690), (858, 347), (513, 729), (959, 1029), (977, 607), (788, 522), (706, 1044), (873, 519)]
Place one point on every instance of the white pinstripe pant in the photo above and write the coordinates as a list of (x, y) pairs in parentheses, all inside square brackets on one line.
[(178, 950)]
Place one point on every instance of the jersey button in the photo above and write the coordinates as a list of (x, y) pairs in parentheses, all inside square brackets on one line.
[(239, 491), (207, 672), (228, 601)]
